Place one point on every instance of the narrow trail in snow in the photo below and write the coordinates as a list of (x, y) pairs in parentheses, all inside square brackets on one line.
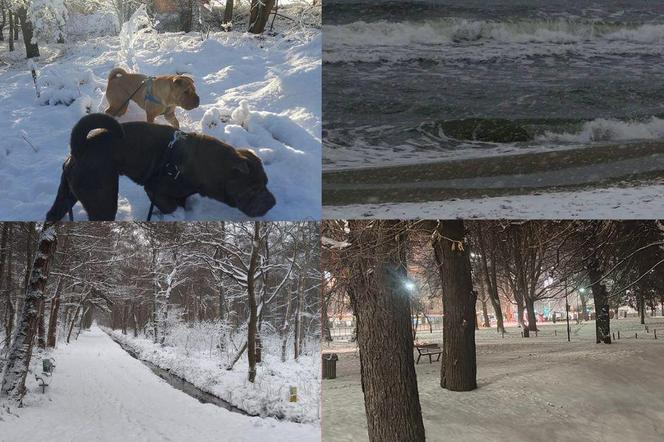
[(100, 393)]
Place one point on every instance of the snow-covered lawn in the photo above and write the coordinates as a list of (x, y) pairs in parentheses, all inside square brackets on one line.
[(99, 392), (262, 93), (639, 202), (532, 389), (268, 396)]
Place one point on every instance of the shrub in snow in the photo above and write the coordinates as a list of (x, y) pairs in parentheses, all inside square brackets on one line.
[(138, 24), (49, 19), (63, 86)]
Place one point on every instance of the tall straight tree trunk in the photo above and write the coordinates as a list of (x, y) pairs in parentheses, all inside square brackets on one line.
[(325, 321), (601, 298), (55, 311), (3, 11), (10, 38), (20, 352), (31, 48), (285, 326), (10, 311), (41, 327), (642, 306), (530, 312), (253, 315), (228, 12), (459, 367), (381, 305), (491, 279)]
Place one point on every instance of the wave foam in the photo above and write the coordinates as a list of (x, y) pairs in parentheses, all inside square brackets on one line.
[(610, 130), (372, 41)]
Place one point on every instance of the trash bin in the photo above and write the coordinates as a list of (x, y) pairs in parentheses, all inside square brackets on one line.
[(330, 366)]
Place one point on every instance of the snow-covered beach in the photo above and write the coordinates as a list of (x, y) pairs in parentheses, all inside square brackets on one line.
[(262, 93)]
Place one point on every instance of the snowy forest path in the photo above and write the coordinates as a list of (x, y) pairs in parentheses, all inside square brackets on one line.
[(99, 392)]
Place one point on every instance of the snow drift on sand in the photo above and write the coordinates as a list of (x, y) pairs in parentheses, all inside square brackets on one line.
[(264, 94)]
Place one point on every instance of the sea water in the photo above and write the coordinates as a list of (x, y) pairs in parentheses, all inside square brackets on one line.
[(573, 72)]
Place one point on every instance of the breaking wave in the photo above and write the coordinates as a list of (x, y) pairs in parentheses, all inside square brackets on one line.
[(610, 130), (372, 41)]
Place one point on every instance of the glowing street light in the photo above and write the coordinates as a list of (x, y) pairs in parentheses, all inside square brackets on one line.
[(409, 285)]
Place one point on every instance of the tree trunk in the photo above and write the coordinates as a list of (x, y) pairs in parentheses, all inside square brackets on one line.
[(600, 296), (41, 327), (642, 305), (3, 11), (228, 12), (10, 311), (260, 12), (530, 312), (325, 321), (31, 48), (297, 325), (135, 319), (458, 368), (53, 318), (485, 314), (253, 316), (10, 38), (73, 321), (286, 323), (378, 297), (519, 312), (3, 258), (18, 358)]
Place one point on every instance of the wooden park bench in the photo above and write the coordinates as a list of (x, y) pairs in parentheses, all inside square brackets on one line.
[(428, 350), (48, 365)]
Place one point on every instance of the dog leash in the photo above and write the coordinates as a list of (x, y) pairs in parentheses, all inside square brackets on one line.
[(177, 136)]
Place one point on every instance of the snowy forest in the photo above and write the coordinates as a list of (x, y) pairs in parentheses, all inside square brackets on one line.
[(231, 309), (545, 313)]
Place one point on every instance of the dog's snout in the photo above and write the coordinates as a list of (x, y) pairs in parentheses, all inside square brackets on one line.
[(259, 205)]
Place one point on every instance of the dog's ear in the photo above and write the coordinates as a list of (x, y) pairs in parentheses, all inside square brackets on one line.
[(181, 80), (242, 166)]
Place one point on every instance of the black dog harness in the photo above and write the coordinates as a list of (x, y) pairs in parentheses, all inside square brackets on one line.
[(168, 166)]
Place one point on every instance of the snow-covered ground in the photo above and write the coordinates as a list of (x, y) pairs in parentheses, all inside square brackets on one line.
[(531, 389), (268, 396), (639, 202), (100, 393), (261, 93)]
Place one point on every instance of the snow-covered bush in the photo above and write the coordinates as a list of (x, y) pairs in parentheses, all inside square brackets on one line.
[(138, 24), (63, 86), (49, 19)]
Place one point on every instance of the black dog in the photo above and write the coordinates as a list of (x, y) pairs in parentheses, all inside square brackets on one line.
[(170, 164)]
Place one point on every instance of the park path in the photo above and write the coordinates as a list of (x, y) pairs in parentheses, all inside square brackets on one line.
[(100, 393)]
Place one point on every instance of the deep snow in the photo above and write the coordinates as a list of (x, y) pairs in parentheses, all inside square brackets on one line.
[(262, 93), (268, 396), (99, 392), (532, 389)]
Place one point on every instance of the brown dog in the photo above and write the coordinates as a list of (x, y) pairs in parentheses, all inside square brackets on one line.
[(169, 164), (155, 95)]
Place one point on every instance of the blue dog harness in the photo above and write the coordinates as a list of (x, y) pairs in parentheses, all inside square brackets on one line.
[(148, 91)]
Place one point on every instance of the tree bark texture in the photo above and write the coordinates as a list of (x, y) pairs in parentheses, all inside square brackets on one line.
[(458, 368), (381, 305), (20, 352)]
